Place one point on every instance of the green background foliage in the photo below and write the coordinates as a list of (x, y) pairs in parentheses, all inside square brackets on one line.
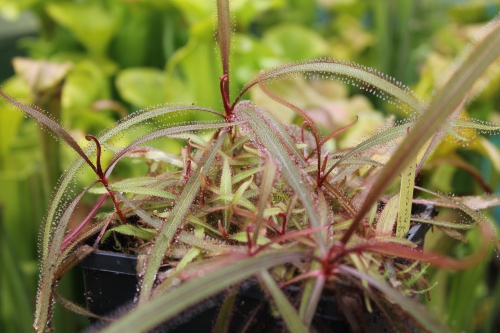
[(121, 56)]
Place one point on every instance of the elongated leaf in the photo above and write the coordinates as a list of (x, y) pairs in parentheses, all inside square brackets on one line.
[(266, 187), (268, 138), (49, 268), (224, 316), (166, 306), (351, 161), (165, 133), (244, 174), (73, 307), (383, 137), (225, 190), (130, 230), (367, 78), (52, 125), (211, 246), (446, 224), (175, 219), (414, 309), (196, 221), (287, 311), (154, 192), (446, 102), (150, 192), (224, 32), (152, 220), (190, 256), (238, 195), (387, 218), (405, 200), (475, 124)]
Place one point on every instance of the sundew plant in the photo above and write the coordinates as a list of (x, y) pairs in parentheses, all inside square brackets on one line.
[(249, 196)]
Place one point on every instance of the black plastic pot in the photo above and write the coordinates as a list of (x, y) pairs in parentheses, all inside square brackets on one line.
[(110, 283)]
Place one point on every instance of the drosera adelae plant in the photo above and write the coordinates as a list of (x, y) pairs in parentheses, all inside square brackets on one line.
[(250, 196)]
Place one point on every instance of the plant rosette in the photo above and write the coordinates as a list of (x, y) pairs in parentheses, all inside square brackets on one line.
[(249, 196)]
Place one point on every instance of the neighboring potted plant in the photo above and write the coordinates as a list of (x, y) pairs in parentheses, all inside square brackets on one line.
[(249, 196)]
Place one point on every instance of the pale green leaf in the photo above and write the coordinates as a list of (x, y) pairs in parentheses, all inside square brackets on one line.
[(130, 230), (287, 311), (387, 218), (142, 87)]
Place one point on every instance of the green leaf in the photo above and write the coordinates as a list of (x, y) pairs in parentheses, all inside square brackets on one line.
[(225, 180), (213, 247), (225, 312), (266, 187), (405, 200), (242, 237), (142, 87), (296, 42), (150, 192), (244, 174), (388, 216), (130, 230), (188, 257), (287, 311), (92, 23), (164, 307), (152, 220)]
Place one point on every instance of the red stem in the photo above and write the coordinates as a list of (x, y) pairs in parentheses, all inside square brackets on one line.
[(224, 91), (103, 179)]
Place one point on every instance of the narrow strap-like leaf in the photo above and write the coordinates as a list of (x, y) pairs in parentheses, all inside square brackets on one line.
[(165, 133), (224, 32), (78, 309), (52, 125), (152, 220), (287, 311), (49, 267), (265, 191), (372, 80)]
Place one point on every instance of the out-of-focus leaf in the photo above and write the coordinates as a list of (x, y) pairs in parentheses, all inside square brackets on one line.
[(40, 75), (242, 237), (295, 42), (85, 84), (142, 87), (91, 23)]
